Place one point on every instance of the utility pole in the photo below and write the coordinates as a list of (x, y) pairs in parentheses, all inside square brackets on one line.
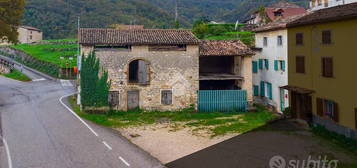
[(79, 59), (176, 10)]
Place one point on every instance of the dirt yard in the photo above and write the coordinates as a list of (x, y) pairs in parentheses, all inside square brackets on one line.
[(170, 141)]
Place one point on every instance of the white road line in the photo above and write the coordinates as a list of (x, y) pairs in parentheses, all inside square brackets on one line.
[(124, 161), (9, 161), (37, 80), (108, 146), (80, 119)]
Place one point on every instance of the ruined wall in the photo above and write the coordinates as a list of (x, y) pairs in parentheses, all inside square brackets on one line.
[(169, 70), (243, 66)]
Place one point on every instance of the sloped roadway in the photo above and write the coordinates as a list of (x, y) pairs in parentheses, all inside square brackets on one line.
[(38, 131)]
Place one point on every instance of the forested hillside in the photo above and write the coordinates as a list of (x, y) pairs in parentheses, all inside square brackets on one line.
[(58, 18)]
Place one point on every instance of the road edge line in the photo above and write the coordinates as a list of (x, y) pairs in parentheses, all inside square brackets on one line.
[(9, 160), (80, 119), (124, 161)]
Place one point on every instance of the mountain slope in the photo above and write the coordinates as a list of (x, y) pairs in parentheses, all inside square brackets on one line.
[(58, 18)]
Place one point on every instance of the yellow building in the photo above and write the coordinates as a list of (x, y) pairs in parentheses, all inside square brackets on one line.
[(322, 66)]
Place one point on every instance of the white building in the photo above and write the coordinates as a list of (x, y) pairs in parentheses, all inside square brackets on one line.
[(321, 4), (270, 70)]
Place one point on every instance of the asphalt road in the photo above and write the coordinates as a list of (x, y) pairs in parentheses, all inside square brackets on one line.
[(39, 132)]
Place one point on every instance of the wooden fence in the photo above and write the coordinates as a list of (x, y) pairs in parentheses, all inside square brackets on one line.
[(222, 100)]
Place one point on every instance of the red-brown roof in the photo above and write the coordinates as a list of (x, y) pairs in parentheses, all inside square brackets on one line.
[(287, 12), (342, 12), (224, 48), (277, 24), (91, 36), (31, 28)]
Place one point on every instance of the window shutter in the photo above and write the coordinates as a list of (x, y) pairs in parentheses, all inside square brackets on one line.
[(260, 63), (166, 97), (276, 65), (256, 90), (326, 37), (270, 90), (319, 105), (255, 67), (299, 39), (300, 64), (335, 112), (283, 65), (262, 89), (266, 63)]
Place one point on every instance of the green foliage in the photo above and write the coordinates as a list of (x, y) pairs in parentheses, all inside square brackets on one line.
[(200, 30), (17, 75), (341, 140), (11, 12), (94, 88), (51, 53)]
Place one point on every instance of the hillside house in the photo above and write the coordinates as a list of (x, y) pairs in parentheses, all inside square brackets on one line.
[(165, 69), (322, 61), (275, 12), (322, 4), (27, 35)]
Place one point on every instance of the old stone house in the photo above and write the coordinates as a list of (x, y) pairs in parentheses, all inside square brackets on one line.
[(149, 68), (163, 69)]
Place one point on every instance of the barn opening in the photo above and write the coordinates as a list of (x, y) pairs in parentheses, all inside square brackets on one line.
[(139, 72)]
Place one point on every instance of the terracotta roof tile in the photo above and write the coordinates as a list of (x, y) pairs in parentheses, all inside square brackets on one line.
[(136, 37), (277, 24), (224, 48), (342, 12)]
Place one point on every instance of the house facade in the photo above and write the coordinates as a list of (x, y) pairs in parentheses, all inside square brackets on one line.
[(151, 69), (321, 66), (270, 70), (322, 4)]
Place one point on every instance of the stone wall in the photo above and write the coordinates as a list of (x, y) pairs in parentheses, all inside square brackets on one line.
[(332, 126), (169, 70), (4, 69)]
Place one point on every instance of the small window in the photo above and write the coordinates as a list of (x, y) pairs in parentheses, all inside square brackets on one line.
[(327, 109), (266, 64), (256, 90), (299, 39), (31, 37), (300, 64), (139, 72), (280, 40), (279, 65), (113, 98), (180, 47), (327, 67), (326, 37), (265, 41), (166, 97)]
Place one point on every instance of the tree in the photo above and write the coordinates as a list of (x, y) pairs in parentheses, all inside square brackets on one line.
[(200, 29), (94, 89), (11, 12)]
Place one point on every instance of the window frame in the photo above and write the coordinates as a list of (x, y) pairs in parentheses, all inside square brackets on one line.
[(329, 40), (172, 96), (324, 72), (297, 41), (280, 40), (110, 97), (137, 81), (297, 69), (265, 41), (326, 106)]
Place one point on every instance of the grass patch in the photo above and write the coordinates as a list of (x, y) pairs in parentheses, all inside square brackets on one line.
[(17, 75), (217, 123), (51, 52)]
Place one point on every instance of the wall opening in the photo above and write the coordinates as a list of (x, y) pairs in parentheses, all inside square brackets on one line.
[(139, 72)]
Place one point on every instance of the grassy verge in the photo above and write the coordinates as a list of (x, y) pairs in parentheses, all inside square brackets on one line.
[(17, 75), (55, 53), (216, 123)]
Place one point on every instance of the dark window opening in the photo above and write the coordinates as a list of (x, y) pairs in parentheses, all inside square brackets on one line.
[(327, 109), (327, 67), (326, 37), (113, 98), (300, 64), (218, 85), (179, 47), (217, 64), (166, 97), (280, 40), (139, 72), (265, 41), (299, 39), (114, 47)]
